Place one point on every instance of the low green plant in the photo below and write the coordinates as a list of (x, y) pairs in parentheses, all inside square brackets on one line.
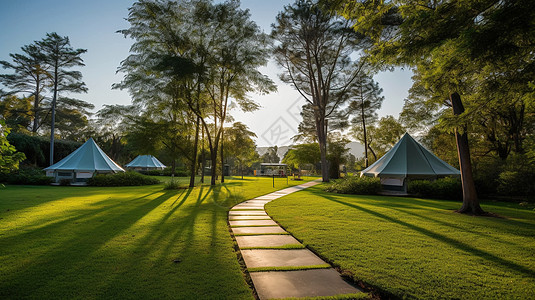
[(354, 185), (516, 183), (444, 188), (174, 185), (122, 179), (26, 176)]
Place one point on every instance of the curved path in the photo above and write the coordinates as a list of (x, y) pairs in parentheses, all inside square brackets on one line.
[(279, 265)]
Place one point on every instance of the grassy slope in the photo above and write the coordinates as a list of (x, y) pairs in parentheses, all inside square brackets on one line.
[(87, 242), (417, 248)]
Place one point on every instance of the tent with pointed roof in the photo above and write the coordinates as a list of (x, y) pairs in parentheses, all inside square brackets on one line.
[(145, 163), (82, 164), (408, 159)]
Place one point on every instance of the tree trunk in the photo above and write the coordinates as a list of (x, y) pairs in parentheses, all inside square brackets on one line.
[(54, 98), (365, 135), (322, 140), (203, 159), (194, 154), (36, 108), (213, 156), (222, 157), (470, 200)]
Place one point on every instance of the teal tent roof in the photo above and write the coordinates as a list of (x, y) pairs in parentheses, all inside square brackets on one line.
[(89, 157), (409, 159), (145, 161)]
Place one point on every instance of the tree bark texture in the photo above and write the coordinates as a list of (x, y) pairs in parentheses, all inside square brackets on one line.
[(470, 200), (194, 154)]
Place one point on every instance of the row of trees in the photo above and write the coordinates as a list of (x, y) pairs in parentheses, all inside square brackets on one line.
[(191, 62), (475, 57), (42, 78)]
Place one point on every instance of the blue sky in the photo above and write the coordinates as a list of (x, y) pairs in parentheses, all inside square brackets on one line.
[(92, 25)]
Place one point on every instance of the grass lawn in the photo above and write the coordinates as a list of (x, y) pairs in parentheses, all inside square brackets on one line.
[(416, 248), (126, 242)]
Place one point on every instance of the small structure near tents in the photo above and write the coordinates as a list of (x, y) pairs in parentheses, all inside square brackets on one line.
[(408, 160), (272, 169), (83, 164), (145, 163)]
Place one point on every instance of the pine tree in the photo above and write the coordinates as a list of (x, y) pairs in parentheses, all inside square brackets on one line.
[(61, 58)]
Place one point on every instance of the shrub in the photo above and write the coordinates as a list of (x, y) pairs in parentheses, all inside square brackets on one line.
[(355, 185), (121, 179), (178, 172), (516, 183), (28, 176), (174, 185), (37, 148), (152, 172), (443, 188)]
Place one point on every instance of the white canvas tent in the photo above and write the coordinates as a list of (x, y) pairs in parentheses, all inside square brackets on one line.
[(82, 164), (145, 163), (408, 160)]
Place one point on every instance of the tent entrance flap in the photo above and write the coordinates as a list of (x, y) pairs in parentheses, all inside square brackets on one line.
[(392, 181)]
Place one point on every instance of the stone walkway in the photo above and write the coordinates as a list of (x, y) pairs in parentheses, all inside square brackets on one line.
[(279, 265)]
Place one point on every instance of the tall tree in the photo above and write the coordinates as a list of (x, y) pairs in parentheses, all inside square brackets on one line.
[(315, 50), (240, 145), (60, 57), (211, 51), (9, 157), (271, 155), (302, 154), (366, 99), (448, 42), (110, 127), (30, 76), (16, 112)]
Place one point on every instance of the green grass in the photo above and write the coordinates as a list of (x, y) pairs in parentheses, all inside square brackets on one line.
[(417, 248), (122, 242)]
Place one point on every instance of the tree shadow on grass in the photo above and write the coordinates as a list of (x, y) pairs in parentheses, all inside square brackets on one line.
[(72, 253), (457, 244)]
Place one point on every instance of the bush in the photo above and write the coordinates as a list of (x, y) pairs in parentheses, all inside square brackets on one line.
[(174, 185), (443, 188), (166, 172), (516, 183), (28, 176), (121, 179), (355, 185), (152, 172), (37, 148)]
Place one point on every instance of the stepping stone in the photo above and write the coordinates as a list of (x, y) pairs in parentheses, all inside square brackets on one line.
[(266, 241), (233, 218), (247, 207), (257, 230), (253, 223), (259, 201), (306, 283), (247, 213), (280, 258)]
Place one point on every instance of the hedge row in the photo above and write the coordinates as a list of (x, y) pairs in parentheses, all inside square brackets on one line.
[(355, 185), (28, 176), (166, 172), (443, 188), (37, 148), (122, 179)]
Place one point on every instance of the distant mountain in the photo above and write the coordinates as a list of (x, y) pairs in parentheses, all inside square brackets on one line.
[(355, 148)]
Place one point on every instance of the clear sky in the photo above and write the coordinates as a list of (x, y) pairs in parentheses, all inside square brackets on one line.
[(92, 25)]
